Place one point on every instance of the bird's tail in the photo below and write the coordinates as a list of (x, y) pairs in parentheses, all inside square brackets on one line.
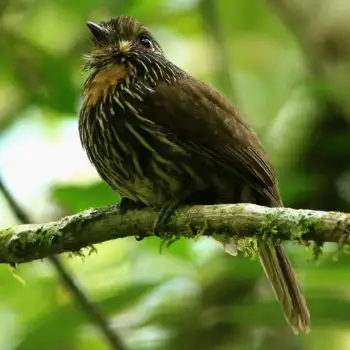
[(284, 282), (283, 279)]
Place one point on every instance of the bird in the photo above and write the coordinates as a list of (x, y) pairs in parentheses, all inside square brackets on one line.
[(162, 138)]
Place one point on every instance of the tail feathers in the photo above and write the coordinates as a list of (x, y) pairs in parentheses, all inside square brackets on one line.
[(284, 282), (283, 279)]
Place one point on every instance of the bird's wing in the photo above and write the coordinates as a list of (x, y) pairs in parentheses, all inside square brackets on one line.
[(206, 122)]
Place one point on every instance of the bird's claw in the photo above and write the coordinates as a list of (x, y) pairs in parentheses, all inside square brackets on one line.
[(127, 204)]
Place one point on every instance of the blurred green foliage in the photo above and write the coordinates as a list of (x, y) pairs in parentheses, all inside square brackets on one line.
[(192, 295)]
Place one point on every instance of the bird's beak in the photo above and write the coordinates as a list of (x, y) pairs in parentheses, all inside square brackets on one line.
[(99, 32)]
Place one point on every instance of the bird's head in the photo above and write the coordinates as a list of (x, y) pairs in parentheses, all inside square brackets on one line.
[(121, 40)]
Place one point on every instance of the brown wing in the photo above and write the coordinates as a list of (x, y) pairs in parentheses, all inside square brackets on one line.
[(205, 121)]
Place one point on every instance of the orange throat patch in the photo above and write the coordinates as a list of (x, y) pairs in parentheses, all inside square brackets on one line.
[(102, 82)]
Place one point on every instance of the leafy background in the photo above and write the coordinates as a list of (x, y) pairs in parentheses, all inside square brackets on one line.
[(285, 64)]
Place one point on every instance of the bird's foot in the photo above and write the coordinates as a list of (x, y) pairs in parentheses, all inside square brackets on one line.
[(160, 224), (164, 214), (126, 205)]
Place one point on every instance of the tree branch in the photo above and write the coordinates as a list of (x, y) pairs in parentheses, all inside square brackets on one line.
[(25, 243)]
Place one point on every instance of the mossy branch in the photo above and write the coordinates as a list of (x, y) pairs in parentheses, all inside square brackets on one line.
[(24, 243)]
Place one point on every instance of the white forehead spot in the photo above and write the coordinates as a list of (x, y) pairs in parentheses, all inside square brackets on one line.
[(124, 45)]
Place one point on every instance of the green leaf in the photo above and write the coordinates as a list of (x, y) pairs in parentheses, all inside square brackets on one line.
[(41, 75), (77, 198), (60, 325)]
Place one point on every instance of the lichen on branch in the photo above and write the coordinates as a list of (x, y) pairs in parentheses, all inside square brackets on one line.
[(24, 243)]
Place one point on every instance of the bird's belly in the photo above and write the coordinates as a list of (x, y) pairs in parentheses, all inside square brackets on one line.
[(154, 187), (139, 174), (143, 165), (148, 192)]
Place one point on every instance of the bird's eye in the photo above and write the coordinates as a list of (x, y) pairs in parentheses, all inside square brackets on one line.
[(146, 42)]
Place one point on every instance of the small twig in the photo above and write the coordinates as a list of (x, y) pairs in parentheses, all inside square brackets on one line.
[(89, 308), (3, 6), (214, 29), (296, 18)]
